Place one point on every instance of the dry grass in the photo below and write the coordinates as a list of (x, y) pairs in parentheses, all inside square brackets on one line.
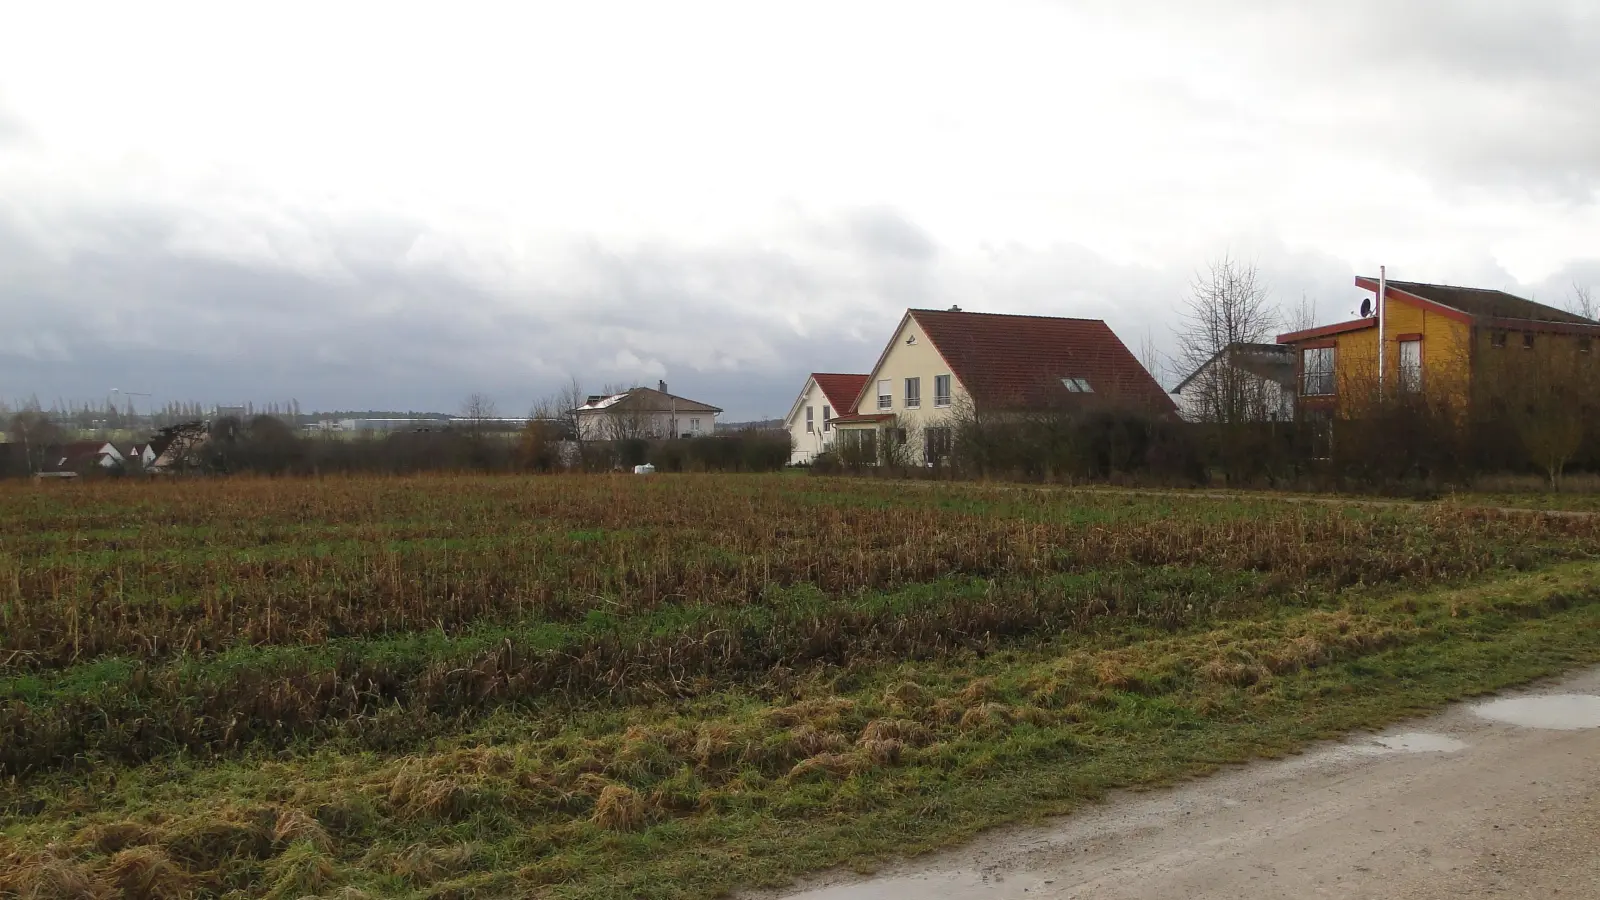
[(300, 871), (44, 876), (553, 549), (665, 693), (620, 808), (422, 865), (145, 873)]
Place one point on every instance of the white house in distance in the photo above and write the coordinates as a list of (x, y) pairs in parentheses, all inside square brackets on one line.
[(1243, 382), (943, 363), (644, 413), (810, 420), (80, 455)]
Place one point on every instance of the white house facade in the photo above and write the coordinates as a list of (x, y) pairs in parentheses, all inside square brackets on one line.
[(909, 397), (943, 365), (645, 413), (1243, 382), (825, 397)]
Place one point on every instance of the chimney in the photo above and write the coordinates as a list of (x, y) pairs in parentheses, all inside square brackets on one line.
[(663, 387), (954, 308)]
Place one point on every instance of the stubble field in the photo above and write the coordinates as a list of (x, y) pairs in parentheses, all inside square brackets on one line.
[(461, 687)]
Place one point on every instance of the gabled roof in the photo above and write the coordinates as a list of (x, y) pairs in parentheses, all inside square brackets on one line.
[(1479, 302), (1469, 305), (76, 453), (1009, 362), (643, 399), (1272, 362), (841, 390)]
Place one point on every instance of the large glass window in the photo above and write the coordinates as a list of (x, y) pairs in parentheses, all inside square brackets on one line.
[(1316, 371), (1411, 365)]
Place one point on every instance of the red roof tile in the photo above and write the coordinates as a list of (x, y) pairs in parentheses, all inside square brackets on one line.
[(841, 390), (1017, 362)]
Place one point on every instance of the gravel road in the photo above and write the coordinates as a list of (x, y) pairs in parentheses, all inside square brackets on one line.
[(1497, 798)]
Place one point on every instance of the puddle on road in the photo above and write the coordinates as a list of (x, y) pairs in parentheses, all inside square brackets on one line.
[(1420, 742), (1559, 712)]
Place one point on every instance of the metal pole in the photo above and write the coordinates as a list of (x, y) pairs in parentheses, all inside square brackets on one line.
[(1383, 294)]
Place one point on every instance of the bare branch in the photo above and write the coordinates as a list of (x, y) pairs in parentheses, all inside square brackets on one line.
[(1582, 301), (1227, 307)]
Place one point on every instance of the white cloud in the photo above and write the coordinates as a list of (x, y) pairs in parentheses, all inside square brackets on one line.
[(433, 200)]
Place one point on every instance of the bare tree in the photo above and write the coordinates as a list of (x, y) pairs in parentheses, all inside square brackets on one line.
[(1149, 356), (36, 433), (1303, 316), (625, 420), (478, 410), (1227, 307), (178, 446), (563, 406), (1583, 302)]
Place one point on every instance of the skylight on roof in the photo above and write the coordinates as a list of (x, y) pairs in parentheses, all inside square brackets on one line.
[(1077, 385)]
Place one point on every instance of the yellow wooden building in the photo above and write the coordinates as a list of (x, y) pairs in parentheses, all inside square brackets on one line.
[(1437, 340)]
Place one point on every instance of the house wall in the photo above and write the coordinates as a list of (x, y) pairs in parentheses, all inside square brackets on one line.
[(603, 425), (1446, 355), (919, 360), (807, 445), (1268, 400)]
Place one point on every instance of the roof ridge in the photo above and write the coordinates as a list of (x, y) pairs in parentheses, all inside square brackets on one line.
[(965, 312), (1454, 287)]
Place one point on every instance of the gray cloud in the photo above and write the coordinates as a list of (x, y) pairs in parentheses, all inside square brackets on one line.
[(372, 322), (228, 297), (127, 303), (1467, 93)]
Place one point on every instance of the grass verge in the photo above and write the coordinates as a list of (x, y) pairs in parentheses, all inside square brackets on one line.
[(733, 789)]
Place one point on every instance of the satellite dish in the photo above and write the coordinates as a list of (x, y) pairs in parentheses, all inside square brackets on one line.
[(1366, 308)]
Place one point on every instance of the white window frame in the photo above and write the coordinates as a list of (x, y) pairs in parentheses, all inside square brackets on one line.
[(810, 412), (885, 393), (1410, 371), (914, 400), (694, 426), (827, 418), (941, 399)]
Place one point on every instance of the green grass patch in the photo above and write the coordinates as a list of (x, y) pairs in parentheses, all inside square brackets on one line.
[(845, 766)]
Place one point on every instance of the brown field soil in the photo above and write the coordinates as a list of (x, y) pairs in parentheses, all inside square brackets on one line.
[(678, 686)]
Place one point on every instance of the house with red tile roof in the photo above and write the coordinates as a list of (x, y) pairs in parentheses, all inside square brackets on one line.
[(942, 364), (826, 396), (81, 456)]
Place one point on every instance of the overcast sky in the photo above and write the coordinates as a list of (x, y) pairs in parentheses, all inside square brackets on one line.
[(391, 205)]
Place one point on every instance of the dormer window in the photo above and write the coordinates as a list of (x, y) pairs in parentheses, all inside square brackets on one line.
[(1077, 385)]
